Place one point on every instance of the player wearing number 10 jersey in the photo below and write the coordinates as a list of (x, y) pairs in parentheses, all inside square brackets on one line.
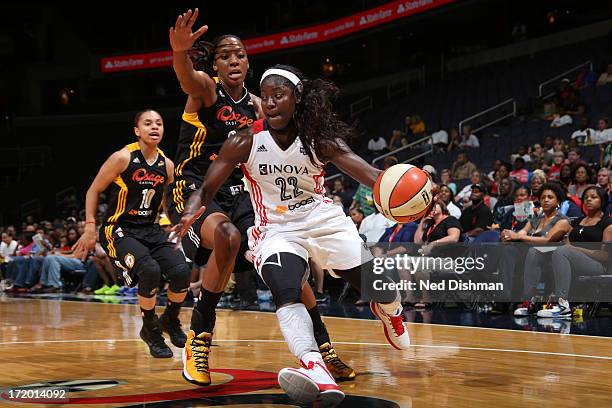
[(135, 178)]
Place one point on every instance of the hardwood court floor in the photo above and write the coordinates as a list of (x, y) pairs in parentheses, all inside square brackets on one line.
[(43, 341)]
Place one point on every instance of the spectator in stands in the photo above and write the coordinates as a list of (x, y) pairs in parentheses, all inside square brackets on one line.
[(558, 145), (582, 178), (566, 95), (396, 140), (106, 271), (502, 172), (431, 171), (548, 226), (537, 181), (463, 197), (363, 200), (53, 264), (364, 197), (417, 127), (357, 216), (446, 195), (8, 249), (435, 230), (462, 167), (455, 140), (561, 119), (20, 271), (345, 196), (540, 158), (439, 139), (548, 144), (603, 176), (574, 157), (392, 243), (373, 226), (505, 201), (606, 77), (377, 145), (446, 178), (584, 253), (477, 217), (554, 172), (584, 134), (520, 173), (522, 152), (468, 139), (603, 134)]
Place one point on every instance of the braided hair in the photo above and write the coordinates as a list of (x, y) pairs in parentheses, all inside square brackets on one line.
[(202, 53)]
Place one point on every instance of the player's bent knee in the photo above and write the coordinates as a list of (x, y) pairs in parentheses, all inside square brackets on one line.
[(227, 233), (284, 274), (179, 277), (149, 273)]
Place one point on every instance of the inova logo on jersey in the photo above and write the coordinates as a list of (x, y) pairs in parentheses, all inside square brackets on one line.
[(265, 169)]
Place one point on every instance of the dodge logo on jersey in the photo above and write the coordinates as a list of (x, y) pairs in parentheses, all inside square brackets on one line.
[(142, 176), (265, 169), (226, 114)]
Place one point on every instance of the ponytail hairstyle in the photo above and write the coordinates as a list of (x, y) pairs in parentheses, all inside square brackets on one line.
[(319, 128)]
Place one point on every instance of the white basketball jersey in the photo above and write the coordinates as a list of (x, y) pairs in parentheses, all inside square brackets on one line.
[(284, 184)]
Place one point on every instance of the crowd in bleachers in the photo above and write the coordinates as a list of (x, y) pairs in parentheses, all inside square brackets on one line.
[(536, 189)]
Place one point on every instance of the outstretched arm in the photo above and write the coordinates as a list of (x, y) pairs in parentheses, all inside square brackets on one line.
[(350, 163), (195, 83), (234, 151), (110, 170)]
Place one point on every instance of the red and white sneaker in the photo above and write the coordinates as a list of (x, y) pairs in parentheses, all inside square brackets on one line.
[(312, 382), (395, 329)]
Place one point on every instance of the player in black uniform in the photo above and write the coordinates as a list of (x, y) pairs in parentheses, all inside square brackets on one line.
[(218, 105), (136, 177)]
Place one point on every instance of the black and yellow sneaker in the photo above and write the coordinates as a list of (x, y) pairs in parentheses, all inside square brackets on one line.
[(172, 326), (195, 358), (336, 367), (152, 335)]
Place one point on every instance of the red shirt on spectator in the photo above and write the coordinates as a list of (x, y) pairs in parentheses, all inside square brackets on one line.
[(521, 175), (554, 173)]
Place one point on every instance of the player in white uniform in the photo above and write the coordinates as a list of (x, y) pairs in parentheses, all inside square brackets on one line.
[(282, 157)]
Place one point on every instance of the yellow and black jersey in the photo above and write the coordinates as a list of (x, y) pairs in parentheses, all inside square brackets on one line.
[(201, 135), (135, 196)]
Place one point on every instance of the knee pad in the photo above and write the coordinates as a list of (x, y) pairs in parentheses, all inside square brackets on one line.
[(284, 273), (179, 277), (148, 272)]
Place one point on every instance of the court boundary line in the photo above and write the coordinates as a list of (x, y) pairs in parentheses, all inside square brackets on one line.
[(432, 346), (344, 318)]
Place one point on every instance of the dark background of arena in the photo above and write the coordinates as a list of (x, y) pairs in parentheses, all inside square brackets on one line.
[(50, 150)]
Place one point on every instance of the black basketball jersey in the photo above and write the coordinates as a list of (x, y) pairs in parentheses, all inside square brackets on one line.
[(136, 194), (201, 135)]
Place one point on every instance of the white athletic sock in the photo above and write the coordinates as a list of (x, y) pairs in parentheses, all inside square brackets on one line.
[(296, 326), (393, 307)]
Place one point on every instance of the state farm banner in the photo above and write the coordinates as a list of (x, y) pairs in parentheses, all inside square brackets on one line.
[(289, 39)]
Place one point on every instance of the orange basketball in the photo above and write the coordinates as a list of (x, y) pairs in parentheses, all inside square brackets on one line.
[(403, 193)]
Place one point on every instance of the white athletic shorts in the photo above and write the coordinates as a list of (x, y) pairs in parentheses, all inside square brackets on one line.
[(325, 234)]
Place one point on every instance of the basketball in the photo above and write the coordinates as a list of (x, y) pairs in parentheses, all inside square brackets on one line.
[(403, 193)]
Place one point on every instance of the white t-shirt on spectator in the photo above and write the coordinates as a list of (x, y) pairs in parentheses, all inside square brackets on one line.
[(583, 133), (377, 145), (454, 210), (6, 251), (602, 136), (471, 141), (561, 121), (441, 136), (374, 225)]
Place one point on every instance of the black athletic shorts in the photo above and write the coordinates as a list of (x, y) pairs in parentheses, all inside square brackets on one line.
[(238, 209), (126, 245)]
